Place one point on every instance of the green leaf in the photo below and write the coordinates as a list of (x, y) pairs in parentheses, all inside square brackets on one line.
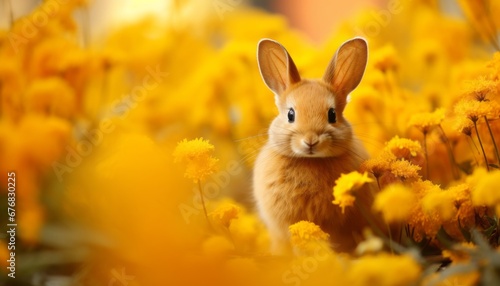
[(444, 238), (489, 231), (492, 221)]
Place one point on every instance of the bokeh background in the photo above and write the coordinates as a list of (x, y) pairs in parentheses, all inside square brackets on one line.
[(95, 96)]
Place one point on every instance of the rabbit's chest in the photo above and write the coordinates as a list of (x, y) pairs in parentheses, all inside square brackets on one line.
[(304, 193)]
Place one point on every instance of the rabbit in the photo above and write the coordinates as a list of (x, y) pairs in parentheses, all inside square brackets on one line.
[(310, 144)]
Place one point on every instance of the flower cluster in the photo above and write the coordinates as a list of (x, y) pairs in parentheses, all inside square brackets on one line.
[(346, 186), (196, 155)]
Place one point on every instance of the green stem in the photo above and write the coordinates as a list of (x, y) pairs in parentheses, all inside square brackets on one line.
[(481, 145), (203, 203), (493, 140)]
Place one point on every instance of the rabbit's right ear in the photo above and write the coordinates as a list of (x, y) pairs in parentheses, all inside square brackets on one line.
[(276, 66), (347, 67)]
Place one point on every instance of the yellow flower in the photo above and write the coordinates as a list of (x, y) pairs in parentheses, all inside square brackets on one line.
[(51, 96), (426, 120), (346, 185), (378, 165), (395, 202), (385, 58), (478, 174), (408, 145), (404, 148), (494, 64), (225, 213), (473, 109), (424, 224), (464, 125), (304, 235), (479, 88), (486, 188), (381, 269), (441, 203), (305, 231), (197, 154), (463, 201), (405, 170)]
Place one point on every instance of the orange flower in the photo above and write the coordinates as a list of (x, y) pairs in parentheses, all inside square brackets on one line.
[(479, 88), (440, 202), (378, 165), (225, 213), (304, 235), (464, 125), (346, 185), (51, 96), (405, 170), (385, 58), (426, 120), (406, 149), (473, 109), (392, 196)]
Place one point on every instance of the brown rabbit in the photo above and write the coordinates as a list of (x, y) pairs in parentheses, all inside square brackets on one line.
[(310, 144)]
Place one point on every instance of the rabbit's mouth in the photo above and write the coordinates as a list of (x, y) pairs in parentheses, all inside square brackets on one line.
[(320, 150), (305, 147), (311, 152)]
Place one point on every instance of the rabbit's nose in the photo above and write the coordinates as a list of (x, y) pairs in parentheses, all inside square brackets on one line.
[(311, 144), (310, 140)]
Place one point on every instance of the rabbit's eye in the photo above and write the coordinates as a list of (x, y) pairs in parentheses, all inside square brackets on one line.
[(332, 116), (291, 115)]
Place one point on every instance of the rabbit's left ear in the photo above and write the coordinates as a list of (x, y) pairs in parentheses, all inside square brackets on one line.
[(347, 67), (276, 66)]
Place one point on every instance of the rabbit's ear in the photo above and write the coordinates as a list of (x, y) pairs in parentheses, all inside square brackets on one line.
[(276, 66), (347, 67)]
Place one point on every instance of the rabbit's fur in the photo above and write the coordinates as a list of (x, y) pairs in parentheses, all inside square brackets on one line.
[(296, 170)]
